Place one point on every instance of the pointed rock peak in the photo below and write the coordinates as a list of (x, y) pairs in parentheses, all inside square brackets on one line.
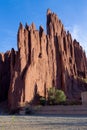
[(48, 11), (33, 27), (75, 40), (20, 26), (26, 26), (12, 49), (41, 30), (68, 33), (76, 43)]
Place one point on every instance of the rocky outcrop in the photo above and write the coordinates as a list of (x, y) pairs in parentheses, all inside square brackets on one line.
[(46, 60), (4, 75), (80, 60)]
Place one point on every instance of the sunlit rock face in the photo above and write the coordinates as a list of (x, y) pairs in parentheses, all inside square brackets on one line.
[(43, 61)]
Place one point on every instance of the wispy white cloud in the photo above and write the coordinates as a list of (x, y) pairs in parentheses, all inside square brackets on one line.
[(75, 32), (80, 34)]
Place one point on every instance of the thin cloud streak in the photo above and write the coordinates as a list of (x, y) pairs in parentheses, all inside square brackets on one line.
[(80, 35)]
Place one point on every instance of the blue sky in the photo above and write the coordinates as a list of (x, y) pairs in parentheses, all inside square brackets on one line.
[(73, 14)]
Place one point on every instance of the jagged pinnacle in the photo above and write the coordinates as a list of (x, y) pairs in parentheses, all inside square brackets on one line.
[(48, 11)]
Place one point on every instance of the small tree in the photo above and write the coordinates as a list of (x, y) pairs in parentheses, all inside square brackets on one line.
[(60, 96), (43, 101), (51, 95), (56, 96)]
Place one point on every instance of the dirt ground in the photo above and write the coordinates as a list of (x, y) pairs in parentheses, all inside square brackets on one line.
[(43, 122)]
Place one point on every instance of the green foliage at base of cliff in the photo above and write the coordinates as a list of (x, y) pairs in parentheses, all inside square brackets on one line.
[(82, 79), (56, 96)]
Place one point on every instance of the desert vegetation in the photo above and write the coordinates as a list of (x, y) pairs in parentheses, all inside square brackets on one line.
[(55, 97), (82, 79)]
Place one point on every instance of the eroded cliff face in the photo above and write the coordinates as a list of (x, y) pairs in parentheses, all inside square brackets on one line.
[(46, 60), (4, 75)]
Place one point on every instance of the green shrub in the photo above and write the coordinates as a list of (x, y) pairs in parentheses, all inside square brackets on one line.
[(42, 101), (60, 96), (28, 110), (51, 96), (85, 80), (82, 79), (56, 96)]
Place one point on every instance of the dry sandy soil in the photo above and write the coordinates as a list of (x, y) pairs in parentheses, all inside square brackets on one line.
[(43, 122)]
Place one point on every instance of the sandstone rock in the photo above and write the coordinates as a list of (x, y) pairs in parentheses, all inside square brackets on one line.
[(4, 75), (43, 61), (80, 59)]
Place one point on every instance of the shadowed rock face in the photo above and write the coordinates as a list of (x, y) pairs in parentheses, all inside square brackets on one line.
[(46, 60), (4, 75)]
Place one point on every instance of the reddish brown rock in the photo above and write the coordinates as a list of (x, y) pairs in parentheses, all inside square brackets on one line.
[(4, 75), (80, 59), (46, 60)]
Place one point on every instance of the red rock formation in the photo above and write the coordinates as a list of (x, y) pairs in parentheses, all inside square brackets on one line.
[(43, 61), (80, 59), (4, 75)]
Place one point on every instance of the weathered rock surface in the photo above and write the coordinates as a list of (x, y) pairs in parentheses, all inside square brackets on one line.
[(4, 75), (45, 60), (80, 60)]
